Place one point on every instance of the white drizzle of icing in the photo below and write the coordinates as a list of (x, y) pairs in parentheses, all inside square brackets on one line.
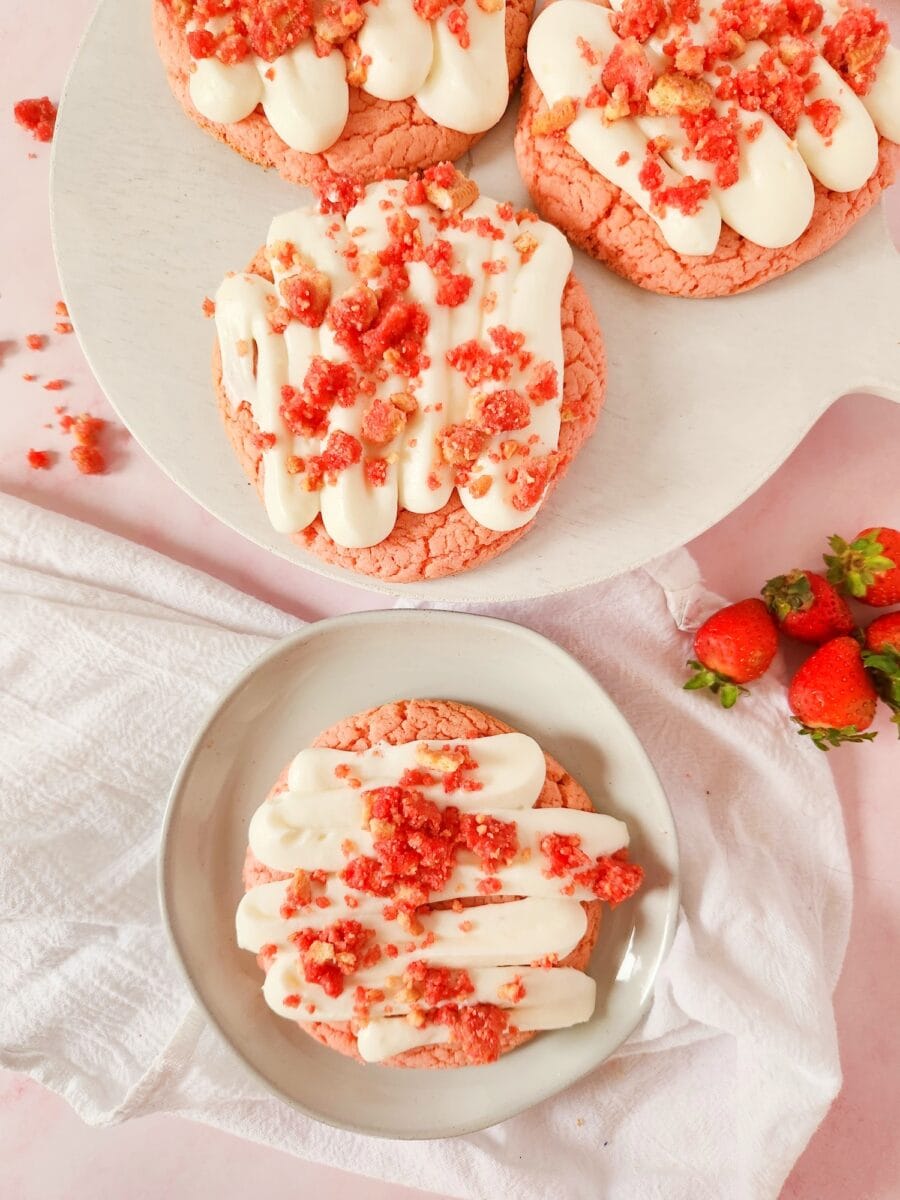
[(319, 811), (306, 98), (527, 297), (772, 202)]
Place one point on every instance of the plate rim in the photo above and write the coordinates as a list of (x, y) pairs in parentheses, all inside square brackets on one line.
[(175, 800)]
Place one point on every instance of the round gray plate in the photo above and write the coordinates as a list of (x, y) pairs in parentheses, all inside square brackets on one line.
[(306, 683)]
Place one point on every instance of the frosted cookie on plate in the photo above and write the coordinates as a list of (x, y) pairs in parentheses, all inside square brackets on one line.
[(376, 87), (424, 888), (405, 371), (701, 148)]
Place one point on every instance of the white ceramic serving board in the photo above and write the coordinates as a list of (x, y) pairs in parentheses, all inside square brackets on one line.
[(705, 400), (301, 686)]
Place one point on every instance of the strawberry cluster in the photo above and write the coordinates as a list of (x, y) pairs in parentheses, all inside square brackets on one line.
[(834, 695)]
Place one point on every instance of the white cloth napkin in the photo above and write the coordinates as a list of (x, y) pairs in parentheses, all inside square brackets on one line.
[(109, 657)]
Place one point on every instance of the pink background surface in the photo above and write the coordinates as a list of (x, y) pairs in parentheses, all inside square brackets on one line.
[(843, 476)]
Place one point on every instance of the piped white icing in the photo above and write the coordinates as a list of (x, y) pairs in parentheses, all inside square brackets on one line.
[(306, 98), (772, 201), (522, 293), (318, 823)]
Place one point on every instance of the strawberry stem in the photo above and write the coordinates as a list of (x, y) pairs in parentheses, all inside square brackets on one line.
[(825, 738), (726, 689), (855, 566), (788, 593)]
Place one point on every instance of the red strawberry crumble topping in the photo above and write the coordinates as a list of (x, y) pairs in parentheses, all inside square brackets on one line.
[(507, 340), (297, 895), (414, 846), (435, 985), (376, 471), (489, 886), (476, 363), (855, 46), (628, 74), (504, 410), (544, 383), (477, 1029), (306, 296), (454, 290), (714, 139), (414, 778), (305, 412), (458, 24), (39, 460), (301, 415), (461, 444), (88, 459), (639, 18), (38, 117), (513, 992), (824, 115), (687, 195), (650, 176), (382, 422), (610, 877), (337, 193), (531, 482), (495, 842), (329, 955), (268, 28), (341, 451)]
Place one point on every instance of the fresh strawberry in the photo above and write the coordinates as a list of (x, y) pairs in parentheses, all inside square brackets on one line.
[(735, 645), (883, 634), (832, 697), (807, 607), (869, 567), (882, 658)]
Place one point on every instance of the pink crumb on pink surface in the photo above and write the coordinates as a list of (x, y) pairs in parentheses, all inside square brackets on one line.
[(855, 1153)]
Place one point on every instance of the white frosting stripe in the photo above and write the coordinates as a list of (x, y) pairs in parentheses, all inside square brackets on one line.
[(519, 931), (282, 837), (844, 161), (543, 987), (772, 201), (511, 770), (401, 47), (386, 1036), (882, 101), (392, 1035), (467, 89), (306, 98)]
